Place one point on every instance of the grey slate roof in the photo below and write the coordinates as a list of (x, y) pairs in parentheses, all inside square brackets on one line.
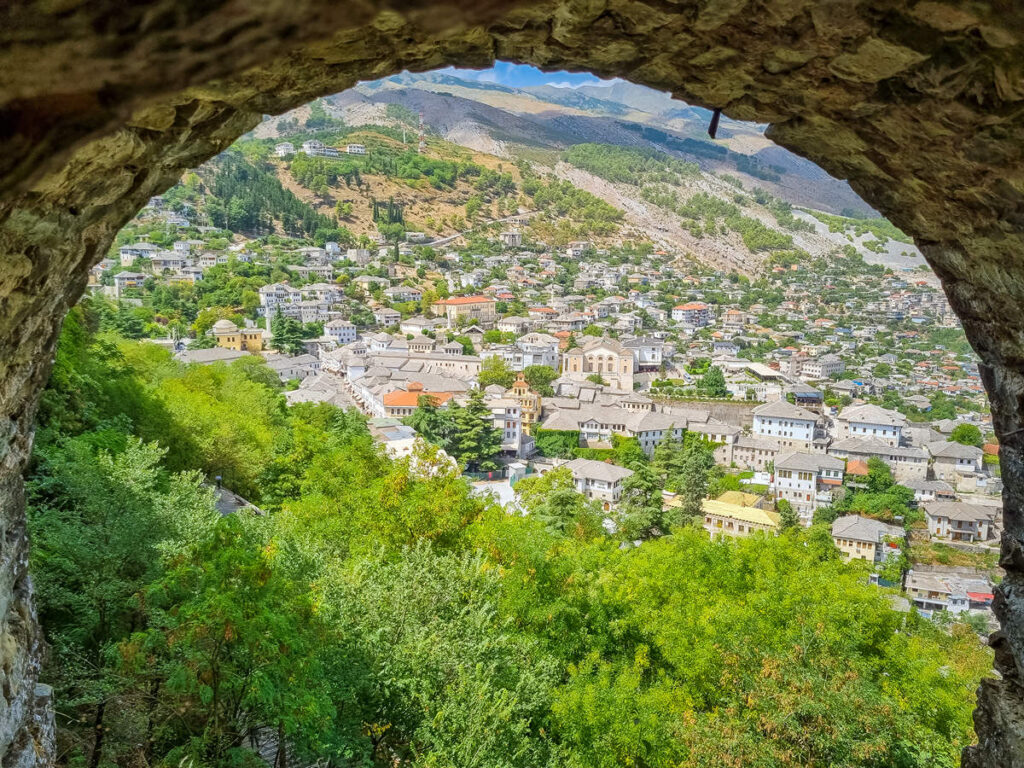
[(866, 447), (946, 450), (872, 414), (211, 355), (864, 529), (809, 462), (783, 409), (960, 510), (598, 470)]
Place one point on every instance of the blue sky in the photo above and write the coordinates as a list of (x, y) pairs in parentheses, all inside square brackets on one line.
[(520, 75)]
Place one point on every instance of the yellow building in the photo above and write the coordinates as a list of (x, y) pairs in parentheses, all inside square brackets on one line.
[(530, 404), (476, 309), (230, 336), (605, 357), (732, 514), (862, 538)]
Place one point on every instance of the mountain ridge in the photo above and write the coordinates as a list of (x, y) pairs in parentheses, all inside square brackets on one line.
[(745, 187)]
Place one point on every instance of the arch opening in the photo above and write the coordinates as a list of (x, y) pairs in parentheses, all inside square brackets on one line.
[(875, 97)]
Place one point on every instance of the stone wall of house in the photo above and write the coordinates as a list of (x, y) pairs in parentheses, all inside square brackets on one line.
[(103, 104)]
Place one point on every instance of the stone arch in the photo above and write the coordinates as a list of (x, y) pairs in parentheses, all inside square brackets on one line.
[(917, 103)]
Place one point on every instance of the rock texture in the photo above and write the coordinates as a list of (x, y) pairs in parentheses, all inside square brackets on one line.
[(919, 104)]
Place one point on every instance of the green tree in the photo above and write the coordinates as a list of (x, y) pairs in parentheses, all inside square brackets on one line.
[(473, 206), (232, 644), (641, 512), (667, 460), (693, 478), (967, 434), (99, 510), (474, 440), (467, 344), (553, 500), (893, 566), (431, 422), (713, 382), (879, 478), (286, 335), (539, 377), (628, 452), (825, 515), (494, 370), (788, 518), (454, 687)]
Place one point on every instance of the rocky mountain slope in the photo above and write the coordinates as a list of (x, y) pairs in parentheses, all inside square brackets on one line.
[(742, 184)]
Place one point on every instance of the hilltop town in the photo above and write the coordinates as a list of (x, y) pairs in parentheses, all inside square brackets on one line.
[(804, 383)]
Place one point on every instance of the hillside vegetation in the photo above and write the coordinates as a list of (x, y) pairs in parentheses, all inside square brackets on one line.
[(443, 192), (376, 613), (630, 165)]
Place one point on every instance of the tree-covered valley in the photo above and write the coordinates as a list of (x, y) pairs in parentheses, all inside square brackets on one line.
[(373, 611)]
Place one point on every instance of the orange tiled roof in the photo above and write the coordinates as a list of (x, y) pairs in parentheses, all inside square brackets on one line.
[(457, 300), (856, 468), (400, 398)]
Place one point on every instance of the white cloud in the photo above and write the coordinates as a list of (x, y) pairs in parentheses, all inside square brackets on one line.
[(605, 83)]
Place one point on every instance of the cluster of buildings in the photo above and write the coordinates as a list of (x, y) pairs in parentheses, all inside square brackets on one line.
[(183, 263), (316, 148), (805, 367)]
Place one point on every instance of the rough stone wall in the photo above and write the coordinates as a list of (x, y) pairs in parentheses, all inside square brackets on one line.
[(920, 104)]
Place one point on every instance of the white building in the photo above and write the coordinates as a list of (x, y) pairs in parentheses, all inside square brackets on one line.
[(694, 313), (355, 149), (276, 295), (340, 331), (822, 367), (533, 349), (953, 462), (871, 421), (316, 148), (129, 253), (508, 419), (514, 324), (126, 280), (385, 316), (284, 148), (360, 256), (862, 538), (790, 424), (598, 480), (948, 592), (578, 248), (403, 293), (931, 490), (959, 521), (648, 353), (419, 324), (906, 462), (806, 480)]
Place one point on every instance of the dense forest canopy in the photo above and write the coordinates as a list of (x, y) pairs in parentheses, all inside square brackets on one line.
[(378, 613)]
